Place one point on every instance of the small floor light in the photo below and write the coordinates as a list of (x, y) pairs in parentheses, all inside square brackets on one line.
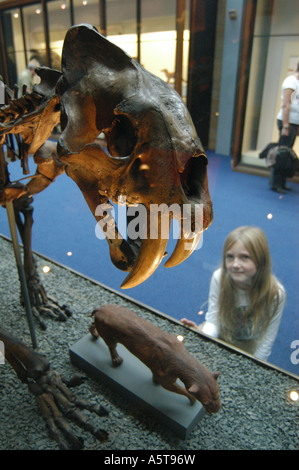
[(46, 269), (294, 395)]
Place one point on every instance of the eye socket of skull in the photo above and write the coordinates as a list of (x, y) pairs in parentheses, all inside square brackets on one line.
[(193, 177), (121, 138), (63, 118)]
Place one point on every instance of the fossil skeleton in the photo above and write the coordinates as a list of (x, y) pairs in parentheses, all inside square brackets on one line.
[(153, 156)]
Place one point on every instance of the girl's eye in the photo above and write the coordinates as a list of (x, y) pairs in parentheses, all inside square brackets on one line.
[(229, 256), (245, 257)]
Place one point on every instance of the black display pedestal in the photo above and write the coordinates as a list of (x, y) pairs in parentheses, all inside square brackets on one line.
[(134, 381)]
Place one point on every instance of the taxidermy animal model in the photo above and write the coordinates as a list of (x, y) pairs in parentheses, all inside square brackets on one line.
[(162, 352)]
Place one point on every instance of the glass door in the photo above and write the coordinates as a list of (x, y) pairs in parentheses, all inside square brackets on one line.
[(275, 54), (34, 33), (59, 21)]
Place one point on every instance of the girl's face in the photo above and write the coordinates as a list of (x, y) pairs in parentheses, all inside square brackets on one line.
[(240, 265)]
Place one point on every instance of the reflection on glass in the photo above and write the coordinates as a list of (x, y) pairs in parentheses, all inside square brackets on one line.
[(34, 33), (121, 25), (158, 36), (86, 11), (15, 46), (163, 64), (159, 41), (21, 50), (59, 19), (274, 55)]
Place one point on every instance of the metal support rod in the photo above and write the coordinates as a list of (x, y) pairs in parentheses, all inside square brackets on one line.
[(138, 24), (180, 26), (17, 252)]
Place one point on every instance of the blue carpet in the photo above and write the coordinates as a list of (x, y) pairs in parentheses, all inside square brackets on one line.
[(63, 223)]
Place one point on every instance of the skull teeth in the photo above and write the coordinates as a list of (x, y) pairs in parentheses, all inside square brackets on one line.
[(149, 257), (183, 250), (148, 260)]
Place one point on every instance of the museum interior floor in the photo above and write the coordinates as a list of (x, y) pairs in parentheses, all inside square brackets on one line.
[(64, 231)]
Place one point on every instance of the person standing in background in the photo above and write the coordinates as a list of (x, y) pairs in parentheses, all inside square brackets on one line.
[(28, 77), (288, 125)]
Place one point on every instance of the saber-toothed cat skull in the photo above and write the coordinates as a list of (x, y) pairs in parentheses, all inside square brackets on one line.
[(154, 154), (153, 158)]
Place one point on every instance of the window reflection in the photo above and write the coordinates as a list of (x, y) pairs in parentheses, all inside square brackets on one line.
[(59, 20), (21, 48), (86, 11), (274, 55), (34, 33), (121, 25), (14, 44), (158, 34)]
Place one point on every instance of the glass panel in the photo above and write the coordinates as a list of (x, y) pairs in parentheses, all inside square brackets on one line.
[(274, 56), (59, 21), (158, 32), (121, 25), (16, 59), (34, 34), (158, 40), (87, 11)]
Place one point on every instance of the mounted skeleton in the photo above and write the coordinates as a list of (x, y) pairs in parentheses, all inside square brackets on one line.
[(154, 155)]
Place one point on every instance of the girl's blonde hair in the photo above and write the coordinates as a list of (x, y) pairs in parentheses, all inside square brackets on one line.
[(263, 293)]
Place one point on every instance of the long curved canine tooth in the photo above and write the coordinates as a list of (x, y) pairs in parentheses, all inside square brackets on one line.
[(191, 232), (183, 249), (150, 255)]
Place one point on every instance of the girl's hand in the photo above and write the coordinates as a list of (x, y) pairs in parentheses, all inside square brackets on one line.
[(189, 323)]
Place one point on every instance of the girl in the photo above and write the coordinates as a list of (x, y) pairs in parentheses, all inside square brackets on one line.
[(245, 300)]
